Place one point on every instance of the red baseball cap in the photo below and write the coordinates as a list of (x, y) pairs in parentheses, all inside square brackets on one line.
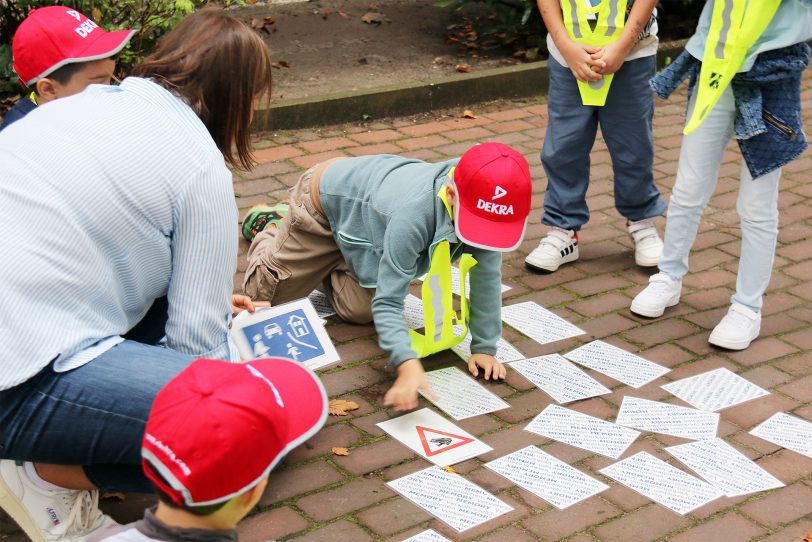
[(218, 428), (53, 36), (493, 188)]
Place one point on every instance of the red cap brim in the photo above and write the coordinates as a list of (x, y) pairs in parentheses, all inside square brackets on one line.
[(487, 234)]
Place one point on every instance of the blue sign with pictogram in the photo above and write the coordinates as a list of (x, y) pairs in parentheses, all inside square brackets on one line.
[(289, 335)]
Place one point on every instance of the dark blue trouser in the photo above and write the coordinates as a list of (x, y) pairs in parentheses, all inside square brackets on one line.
[(625, 121)]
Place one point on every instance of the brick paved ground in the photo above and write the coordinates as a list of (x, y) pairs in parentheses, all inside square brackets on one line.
[(316, 496)]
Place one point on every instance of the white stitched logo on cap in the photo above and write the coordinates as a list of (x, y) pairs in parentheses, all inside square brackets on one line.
[(499, 192), (261, 376), (74, 14)]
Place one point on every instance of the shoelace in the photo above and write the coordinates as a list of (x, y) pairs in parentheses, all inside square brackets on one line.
[(85, 514)]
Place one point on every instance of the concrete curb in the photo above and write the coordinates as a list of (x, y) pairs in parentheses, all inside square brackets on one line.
[(466, 89)]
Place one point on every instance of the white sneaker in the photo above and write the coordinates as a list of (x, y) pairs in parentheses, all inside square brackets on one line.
[(647, 243), (737, 329), (49, 516), (662, 292), (558, 247)]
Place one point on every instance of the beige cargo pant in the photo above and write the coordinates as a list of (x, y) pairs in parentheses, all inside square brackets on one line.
[(289, 262)]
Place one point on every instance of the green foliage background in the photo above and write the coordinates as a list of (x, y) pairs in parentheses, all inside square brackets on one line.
[(151, 19)]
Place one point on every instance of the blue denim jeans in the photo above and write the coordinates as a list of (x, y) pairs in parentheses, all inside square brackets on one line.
[(92, 416), (625, 122), (700, 157)]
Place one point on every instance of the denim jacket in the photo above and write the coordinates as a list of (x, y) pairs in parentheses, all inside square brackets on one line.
[(768, 104)]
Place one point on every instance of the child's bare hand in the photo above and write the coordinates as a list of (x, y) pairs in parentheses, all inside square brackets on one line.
[(403, 393), (612, 57), (241, 303), (579, 57), (492, 369)]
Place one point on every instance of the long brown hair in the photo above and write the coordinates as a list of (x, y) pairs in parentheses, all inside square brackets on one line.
[(220, 66)]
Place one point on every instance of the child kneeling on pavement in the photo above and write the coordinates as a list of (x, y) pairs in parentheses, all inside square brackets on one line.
[(213, 435), (363, 228)]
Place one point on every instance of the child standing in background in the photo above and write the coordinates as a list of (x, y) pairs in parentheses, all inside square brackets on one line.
[(625, 122)]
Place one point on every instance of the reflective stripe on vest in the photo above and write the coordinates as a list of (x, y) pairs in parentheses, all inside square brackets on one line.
[(439, 316), (611, 17), (735, 26)]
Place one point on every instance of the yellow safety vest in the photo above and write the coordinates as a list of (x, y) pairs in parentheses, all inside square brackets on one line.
[(439, 316), (611, 17), (735, 26)]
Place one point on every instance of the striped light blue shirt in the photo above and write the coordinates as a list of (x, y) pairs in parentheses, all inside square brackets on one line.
[(110, 199)]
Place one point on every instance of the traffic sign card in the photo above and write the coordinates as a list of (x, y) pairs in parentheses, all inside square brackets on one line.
[(291, 330), (434, 437)]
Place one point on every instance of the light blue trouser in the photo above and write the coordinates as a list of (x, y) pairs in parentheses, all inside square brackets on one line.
[(625, 122), (757, 205)]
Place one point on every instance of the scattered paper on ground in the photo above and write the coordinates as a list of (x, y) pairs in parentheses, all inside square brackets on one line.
[(413, 312), (668, 419), (434, 437), (715, 390), (787, 431), (340, 407), (460, 396), (559, 378), (721, 465), (582, 431), (450, 498), (547, 477), (616, 363), (322, 305), (504, 350), (538, 323), (428, 535), (662, 483)]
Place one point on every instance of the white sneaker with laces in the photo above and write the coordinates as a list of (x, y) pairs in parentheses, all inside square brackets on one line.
[(647, 243), (737, 329), (49, 516), (558, 247), (662, 292)]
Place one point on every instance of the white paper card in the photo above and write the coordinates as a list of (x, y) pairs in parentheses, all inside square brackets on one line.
[(714, 390), (582, 431), (787, 431), (322, 305), (616, 363), (668, 419), (429, 535), (504, 350), (559, 378), (547, 477), (721, 465), (450, 497), (662, 482), (460, 396), (291, 330), (538, 323), (434, 437), (413, 312)]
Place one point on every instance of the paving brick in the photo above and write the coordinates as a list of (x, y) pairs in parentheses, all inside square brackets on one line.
[(371, 457), (556, 524), (800, 389), (311, 160), (340, 530), (722, 529), (271, 524), (650, 522), (341, 434), (377, 136), (512, 534), (393, 516), (786, 465), (425, 142), (524, 406), (273, 154), (782, 506), (347, 380), (660, 331), (601, 304), (329, 144), (347, 498), (761, 350), (367, 150), (509, 440), (289, 482), (748, 415), (794, 533)]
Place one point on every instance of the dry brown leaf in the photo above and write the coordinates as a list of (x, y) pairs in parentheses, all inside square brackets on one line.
[(450, 469), (340, 407), (341, 451), (280, 64), (342, 13), (807, 538), (257, 24), (468, 114), (462, 68), (374, 17)]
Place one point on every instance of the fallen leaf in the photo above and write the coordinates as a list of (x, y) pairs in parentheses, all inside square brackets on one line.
[(342, 13), (280, 64), (450, 469), (468, 114), (807, 538), (257, 24), (340, 407), (374, 17), (341, 451), (269, 20), (462, 68)]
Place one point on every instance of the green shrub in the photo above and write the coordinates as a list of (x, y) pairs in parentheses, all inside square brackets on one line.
[(151, 19)]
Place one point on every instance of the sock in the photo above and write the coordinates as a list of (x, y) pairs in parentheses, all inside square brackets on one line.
[(38, 482)]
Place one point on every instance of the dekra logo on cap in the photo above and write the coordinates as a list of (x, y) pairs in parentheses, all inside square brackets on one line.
[(495, 208)]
